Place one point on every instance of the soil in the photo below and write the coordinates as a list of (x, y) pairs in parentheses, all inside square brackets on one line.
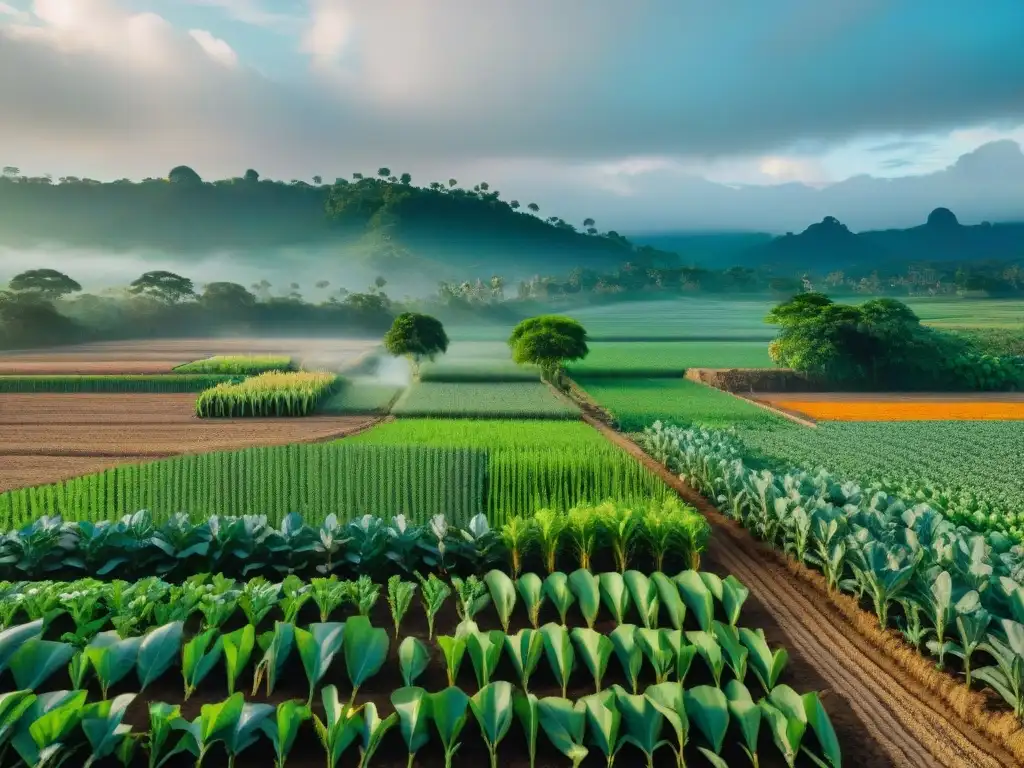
[(45, 438), (882, 718), (162, 355)]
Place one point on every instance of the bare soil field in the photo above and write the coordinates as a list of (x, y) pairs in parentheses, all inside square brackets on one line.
[(882, 715), (49, 437), (155, 356)]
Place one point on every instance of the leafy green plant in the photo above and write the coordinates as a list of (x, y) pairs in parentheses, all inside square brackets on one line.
[(603, 722), (734, 651), (556, 588), (159, 649), (669, 600), (433, 593), (372, 731), (413, 659), (784, 712), (283, 728), (339, 729), (449, 711), (294, 594), (328, 594), (583, 527), (103, 727), (661, 647), (559, 652), (40, 738), (766, 664), (365, 649), (317, 648), (238, 648), (400, 594), (549, 525), (628, 652), (277, 647), (503, 595), (517, 534), (525, 649), (257, 599), (668, 699), (471, 597), (412, 706), (162, 721), (525, 707), (484, 653), (734, 594), (614, 595), (644, 594), (531, 589), (112, 658), (620, 526), (643, 723), (453, 648), (564, 725), (492, 708), (595, 650), (747, 715), (199, 656), (710, 651), (697, 597), (708, 710), (586, 588)]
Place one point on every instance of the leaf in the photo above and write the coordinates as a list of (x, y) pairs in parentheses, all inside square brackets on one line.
[(669, 599), (643, 722), (644, 594), (603, 721), (708, 710), (36, 660), (525, 649), (238, 647), (556, 587), (373, 730), (503, 595), (767, 666), (668, 698), (564, 726), (485, 653), (697, 597), (449, 709), (198, 658), (735, 653), (365, 649), (709, 650), (746, 714), (102, 726), (531, 589), (527, 712), (453, 649), (492, 708), (595, 650), (821, 724), (317, 648), (559, 652), (734, 594), (586, 588), (13, 638), (284, 728), (413, 659), (614, 595), (158, 651), (343, 726), (786, 716), (277, 647), (243, 731), (412, 705), (628, 652)]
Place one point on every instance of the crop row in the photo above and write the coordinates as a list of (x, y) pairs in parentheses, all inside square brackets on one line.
[(275, 393), (57, 725), (133, 608), (618, 534), (349, 480), (492, 400), (949, 590), (239, 365), (113, 383)]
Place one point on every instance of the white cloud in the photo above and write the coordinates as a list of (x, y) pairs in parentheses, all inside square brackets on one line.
[(251, 12), (329, 29), (216, 49)]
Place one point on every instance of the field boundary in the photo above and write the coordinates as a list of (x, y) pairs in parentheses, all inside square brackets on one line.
[(872, 669)]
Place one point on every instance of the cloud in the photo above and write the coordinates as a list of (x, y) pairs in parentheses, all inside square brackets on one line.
[(897, 162), (904, 145), (251, 12), (215, 48)]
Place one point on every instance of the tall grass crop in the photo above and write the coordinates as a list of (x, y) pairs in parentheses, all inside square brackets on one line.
[(360, 397), (270, 394), (490, 400), (243, 365), (113, 383), (485, 433)]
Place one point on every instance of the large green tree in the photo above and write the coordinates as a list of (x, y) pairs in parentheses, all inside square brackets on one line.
[(48, 284), (548, 341), (416, 337), (165, 286)]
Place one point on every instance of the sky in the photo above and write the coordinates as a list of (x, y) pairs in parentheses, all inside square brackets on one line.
[(645, 114)]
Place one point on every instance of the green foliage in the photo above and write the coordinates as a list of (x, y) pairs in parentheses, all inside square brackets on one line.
[(548, 341), (103, 383), (417, 337), (666, 359), (239, 365), (506, 400), (274, 393)]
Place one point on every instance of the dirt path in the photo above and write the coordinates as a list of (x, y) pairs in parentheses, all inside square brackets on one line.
[(908, 725)]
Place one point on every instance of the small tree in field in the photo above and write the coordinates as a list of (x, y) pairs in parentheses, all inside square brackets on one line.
[(548, 341), (416, 337)]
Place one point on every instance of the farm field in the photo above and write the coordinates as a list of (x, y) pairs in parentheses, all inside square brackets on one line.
[(154, 356), (636, 403), (522, 400), (357, 396), (531, 434), (904, 409), (669, 358), (64, 431)]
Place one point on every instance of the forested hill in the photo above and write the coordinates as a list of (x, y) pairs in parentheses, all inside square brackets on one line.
[(385, 218)]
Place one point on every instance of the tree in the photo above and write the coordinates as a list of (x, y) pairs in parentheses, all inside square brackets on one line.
[(588, 222), (318, 180), (227, 297), (165, 286), (533, 207), (452, 183), (384, 172), (29, 319), (10, 171), (321, 284), (406, 178), (548, 341), (251, 176), (184, 175), (416, 337), (48, 284), (514, 205)]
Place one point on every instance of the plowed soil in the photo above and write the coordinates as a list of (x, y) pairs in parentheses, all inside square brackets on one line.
[(49, 437), (882, 718), (162, 355)]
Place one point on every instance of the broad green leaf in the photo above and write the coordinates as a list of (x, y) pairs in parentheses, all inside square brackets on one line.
[(687, 653), (317, 648), (453, 648), (277, 647), (668, 699), (162, 720), (603, 720), (669, 599), (13, 638), (525, 649), (734, 594), (614, 595), (413, 659), (559, 652), (65, 707), (12, 706), (735, 653), (365, 649), (198, 658), (283, 728), (373, 730), (492, 708), (412, 705), (503, 595), (642, 722), (708, 710), (709, 650), (697, 597), (821, 724), (644, 594), (160, 649), (586, 588), (786, 716), (661, 647), (531, 589), (766, 665), (628, 652), (102, 726), (484, 653), (238, 647), (556, 587), (746, 714), (246, 728), (595, 650), (36, 660), (527, 712), (564, 726), (714, 584), (449, 709), (340, 728)]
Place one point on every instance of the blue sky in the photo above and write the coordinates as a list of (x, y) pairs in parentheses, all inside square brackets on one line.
[(616, 107)]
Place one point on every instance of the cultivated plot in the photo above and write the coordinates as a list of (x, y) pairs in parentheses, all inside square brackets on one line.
[(668, 358), (517, 400)]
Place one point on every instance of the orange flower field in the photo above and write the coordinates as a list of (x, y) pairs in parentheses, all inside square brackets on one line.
[(903, 410)]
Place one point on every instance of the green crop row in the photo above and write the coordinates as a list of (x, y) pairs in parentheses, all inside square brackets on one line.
[(511, 400), (613, 533), (959, 591), (667, 359), (113, 383), (357, 397), (520, 434), (277, 393), (240, 365), (346, 479)]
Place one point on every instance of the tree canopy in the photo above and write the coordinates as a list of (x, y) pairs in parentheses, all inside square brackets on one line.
[(417, 337), (165, 286), (47, 283), (548, 341)]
